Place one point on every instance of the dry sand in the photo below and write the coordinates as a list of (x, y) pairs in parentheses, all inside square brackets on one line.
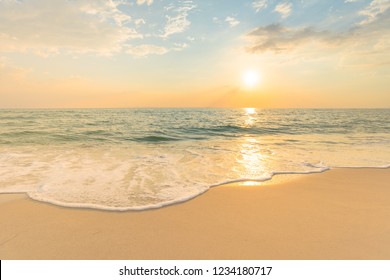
[(340, 214)]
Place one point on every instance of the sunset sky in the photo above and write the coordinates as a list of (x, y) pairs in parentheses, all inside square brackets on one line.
[(187, 53)]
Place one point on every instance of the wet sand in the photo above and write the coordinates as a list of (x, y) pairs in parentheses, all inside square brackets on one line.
[(339, 214)]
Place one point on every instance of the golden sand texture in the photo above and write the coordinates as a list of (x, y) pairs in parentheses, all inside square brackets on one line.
[(339, 214)]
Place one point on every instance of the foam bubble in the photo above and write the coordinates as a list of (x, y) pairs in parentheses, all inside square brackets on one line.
[(142, 159)]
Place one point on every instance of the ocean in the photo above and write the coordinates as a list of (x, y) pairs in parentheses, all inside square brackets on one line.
[(135, 159)]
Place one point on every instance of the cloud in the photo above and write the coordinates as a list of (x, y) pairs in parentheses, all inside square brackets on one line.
[(277, 38), (100, 27), (259, 5), (180, 46), (216, 20), (375, 8), (147, 2), (284, 9), (232, 21), (369, 41), (48, 26), (146, 50), (139, 21), (178, 22)]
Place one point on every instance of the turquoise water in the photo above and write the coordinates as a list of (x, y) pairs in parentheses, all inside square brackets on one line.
[(129, 159)]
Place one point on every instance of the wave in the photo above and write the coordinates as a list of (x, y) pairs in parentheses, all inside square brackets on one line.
[(154, 139), (187, 198), (142, 159)]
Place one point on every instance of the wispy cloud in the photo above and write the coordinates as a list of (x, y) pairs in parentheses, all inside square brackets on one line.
[(277, 38), (375, 8), (259, 5), (178, 22), (284, 9), (82, 26), (232, 21), (370, 40), (146, 50), (216, 20), (147, 2), (180, 46), (139, 21)]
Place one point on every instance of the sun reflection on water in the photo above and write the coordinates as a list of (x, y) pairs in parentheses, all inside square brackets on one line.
[(250, 117), (251, 161), (250, 111)]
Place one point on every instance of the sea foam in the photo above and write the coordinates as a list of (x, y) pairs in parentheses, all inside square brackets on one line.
[(141, 159)]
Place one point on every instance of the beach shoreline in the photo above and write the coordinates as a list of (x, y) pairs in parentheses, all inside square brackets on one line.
[(338, 214)]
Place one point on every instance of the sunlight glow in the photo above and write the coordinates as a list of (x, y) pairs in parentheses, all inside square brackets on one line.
[(252, 160), (251, 78), (250, 118), (250, 111)]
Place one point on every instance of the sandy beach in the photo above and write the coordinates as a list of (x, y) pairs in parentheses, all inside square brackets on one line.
[(339, 214)]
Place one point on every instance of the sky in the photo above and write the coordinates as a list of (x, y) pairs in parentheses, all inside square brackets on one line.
[(188, 53)]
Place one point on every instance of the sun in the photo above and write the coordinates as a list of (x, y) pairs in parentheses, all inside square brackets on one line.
[(251, 78)]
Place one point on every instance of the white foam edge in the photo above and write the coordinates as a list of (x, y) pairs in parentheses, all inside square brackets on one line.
[(184, 199), (361, 167)]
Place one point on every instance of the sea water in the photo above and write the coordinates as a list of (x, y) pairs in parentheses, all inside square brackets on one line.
[(132, 159)]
